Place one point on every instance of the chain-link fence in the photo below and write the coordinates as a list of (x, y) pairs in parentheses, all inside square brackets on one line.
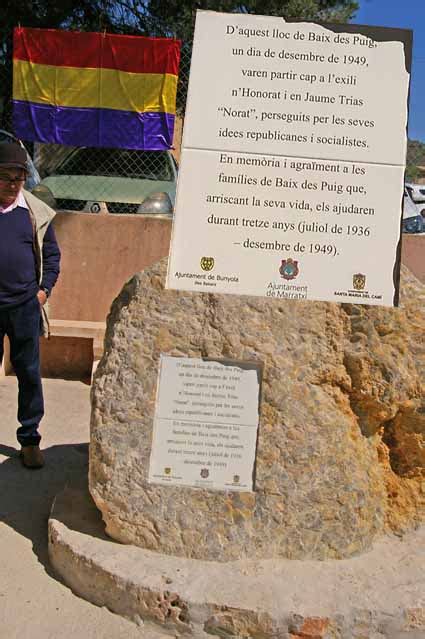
[(108, 180), (126, 181)]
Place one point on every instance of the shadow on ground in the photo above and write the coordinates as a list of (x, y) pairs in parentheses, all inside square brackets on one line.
[(26, 496)]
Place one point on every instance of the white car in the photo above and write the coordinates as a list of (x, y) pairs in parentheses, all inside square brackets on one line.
[(413, 214), (107, 180), (416, 192)]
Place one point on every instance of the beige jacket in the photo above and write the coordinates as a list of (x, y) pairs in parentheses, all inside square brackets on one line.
[(41, 215)]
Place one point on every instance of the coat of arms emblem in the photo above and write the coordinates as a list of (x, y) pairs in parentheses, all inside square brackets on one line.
[(207, 263), (289, 269), (359, 281), (205, 473)]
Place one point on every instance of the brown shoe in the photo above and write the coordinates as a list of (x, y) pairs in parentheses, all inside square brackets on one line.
[(32, 457)]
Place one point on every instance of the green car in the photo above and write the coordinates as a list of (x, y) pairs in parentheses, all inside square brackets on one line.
[(102, 180)]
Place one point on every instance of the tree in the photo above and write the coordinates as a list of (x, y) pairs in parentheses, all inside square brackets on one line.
[(177, 17), (415, 160), (416, 153), (85, 15), (50, 14), (167, 18)]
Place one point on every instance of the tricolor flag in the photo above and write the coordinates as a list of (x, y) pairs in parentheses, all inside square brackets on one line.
[(94, 89)]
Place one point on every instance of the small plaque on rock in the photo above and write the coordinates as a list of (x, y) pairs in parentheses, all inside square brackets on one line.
[(206, 423)]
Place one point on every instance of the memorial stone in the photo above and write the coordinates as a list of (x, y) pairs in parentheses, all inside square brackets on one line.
[(339, 458)]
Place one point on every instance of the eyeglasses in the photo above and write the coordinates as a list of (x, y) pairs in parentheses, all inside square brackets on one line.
[(6, 179)]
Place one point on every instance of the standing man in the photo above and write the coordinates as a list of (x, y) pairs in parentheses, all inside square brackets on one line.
[(29, 268)]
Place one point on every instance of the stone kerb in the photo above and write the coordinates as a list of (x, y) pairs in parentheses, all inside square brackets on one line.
[(340, 447)]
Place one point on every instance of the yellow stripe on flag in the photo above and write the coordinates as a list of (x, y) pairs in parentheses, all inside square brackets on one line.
[(94, 88)]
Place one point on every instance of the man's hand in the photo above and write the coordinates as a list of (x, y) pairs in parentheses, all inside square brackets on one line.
[(42, 297)]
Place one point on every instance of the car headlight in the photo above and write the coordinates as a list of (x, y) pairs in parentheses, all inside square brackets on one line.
[(157, 204), (45, 195), (413, 225)]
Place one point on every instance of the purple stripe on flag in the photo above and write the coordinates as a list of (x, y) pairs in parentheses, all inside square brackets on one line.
[(92, 127)]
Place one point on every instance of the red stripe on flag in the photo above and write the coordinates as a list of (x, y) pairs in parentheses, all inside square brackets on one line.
[(135, 54)]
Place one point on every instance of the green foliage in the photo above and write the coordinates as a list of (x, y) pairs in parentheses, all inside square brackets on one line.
[(415, 153), (51, 14), (84, 15), (412, 173), (153, 17), (177, 17), (415, 158)]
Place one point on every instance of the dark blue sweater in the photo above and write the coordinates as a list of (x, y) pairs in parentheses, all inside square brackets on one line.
[(18, 272)]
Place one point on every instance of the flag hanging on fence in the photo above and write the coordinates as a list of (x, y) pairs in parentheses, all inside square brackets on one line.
[(94, 89)]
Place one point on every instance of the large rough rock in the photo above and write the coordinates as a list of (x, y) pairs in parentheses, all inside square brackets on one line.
[(340, 456)]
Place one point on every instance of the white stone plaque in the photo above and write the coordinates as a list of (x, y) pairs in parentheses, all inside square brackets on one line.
[(293, 157), (206, 423)]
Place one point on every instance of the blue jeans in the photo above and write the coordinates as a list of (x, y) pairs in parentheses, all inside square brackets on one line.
[(22, 326)]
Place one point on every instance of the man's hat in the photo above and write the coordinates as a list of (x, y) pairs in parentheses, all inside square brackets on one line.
[(12, 156)]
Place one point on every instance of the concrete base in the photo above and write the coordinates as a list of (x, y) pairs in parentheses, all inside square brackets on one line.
[(378, 595)]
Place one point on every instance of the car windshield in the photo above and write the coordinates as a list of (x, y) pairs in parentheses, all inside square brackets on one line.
[(150, 165)]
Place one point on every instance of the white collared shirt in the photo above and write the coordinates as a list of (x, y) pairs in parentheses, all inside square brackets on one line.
[(20, 201)]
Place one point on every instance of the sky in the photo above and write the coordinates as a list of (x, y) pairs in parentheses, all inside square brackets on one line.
[(403, 14)]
